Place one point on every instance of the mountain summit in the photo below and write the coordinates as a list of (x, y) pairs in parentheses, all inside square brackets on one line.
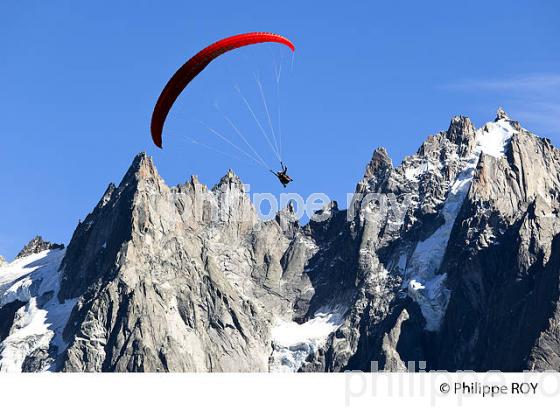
[(450, 259)]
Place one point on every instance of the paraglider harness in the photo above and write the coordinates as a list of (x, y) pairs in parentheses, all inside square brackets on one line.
[(283, 176)]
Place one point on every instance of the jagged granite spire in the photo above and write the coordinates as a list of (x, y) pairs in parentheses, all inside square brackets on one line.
[(288, 220), (380, 162), (462, 133), (230, 179), (377, 171), (98, 240)]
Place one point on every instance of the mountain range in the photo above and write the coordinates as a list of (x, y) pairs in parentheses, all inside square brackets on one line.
[(448, 261)]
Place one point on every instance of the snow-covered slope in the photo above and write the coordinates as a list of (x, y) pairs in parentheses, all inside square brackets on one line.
[(33, 281)]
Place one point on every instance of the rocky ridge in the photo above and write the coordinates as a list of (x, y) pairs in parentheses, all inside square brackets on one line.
[(37, 245)]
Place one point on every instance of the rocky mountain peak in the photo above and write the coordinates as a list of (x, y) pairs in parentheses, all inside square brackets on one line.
[(379, 164), (230, 180), (287, 219), (141, 169), (36, 245), (289, 209), (103, 234), (377, 171), (461, 132), (380, 159), (501, 114), (2, 261), (195, 185)]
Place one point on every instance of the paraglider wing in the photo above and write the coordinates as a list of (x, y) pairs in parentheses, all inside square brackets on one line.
[(194, 66)]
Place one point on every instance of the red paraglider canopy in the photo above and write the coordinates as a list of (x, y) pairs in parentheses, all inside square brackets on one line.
[(195, 65)]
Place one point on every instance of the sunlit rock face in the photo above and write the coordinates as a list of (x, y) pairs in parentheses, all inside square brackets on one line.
[(448, 260)]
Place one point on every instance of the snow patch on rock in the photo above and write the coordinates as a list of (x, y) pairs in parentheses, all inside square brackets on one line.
[(294, 342), (38, 325)]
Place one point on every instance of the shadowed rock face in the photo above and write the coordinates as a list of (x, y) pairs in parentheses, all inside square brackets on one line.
[(450, 260), (503, 264)]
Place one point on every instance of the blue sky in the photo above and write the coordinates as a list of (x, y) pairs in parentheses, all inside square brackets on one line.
[(78, 82)]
